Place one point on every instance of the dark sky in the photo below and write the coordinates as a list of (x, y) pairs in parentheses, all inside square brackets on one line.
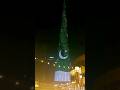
[(102, 46), (16, 52)]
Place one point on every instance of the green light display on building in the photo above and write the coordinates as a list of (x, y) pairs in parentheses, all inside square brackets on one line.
[(63, 61)]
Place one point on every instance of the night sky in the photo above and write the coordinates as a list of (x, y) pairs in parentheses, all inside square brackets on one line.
[(102, 46), (18, 34), (16, 53)]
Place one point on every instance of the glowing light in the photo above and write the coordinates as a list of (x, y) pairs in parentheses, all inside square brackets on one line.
[(68, 67), (42, 61), (36, 84), (62, 57), (54, 65), (72, 72), (51, 57), (35, 58), (73, 82), (55, 62), (1, 76), (80, 76), (77, 68), (48, 63), (17, 83), (62, 76)]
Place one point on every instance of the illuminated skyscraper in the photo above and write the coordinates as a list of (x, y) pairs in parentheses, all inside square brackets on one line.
[(62, 73)]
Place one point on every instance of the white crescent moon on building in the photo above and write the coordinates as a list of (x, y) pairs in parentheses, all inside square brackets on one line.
[(62, 57)]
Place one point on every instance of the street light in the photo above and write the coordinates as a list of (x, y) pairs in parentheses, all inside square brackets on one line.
[(51, 57)]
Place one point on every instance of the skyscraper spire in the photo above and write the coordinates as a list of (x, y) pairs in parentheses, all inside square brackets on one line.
[(64, 21), (63, 30)]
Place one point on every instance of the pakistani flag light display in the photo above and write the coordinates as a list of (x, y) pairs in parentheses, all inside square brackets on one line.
[(62, 73)]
